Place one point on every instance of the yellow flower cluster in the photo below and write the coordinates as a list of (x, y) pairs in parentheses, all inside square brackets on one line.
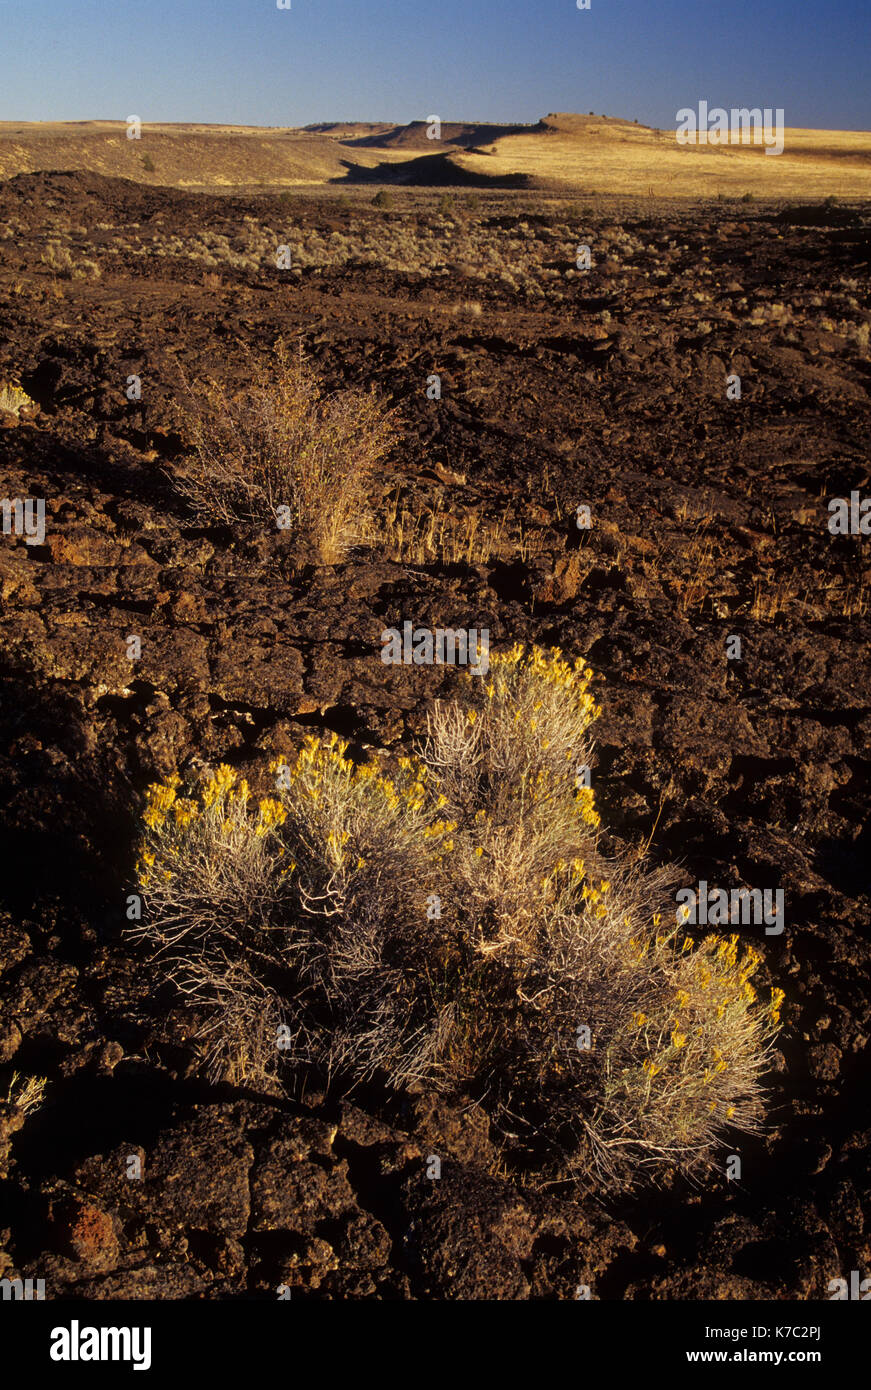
[(440, 827), (272, 813), (715, 985), (184, 812), (586, 807), (218, 785), (719, 971), (317, 762), (169, 816), (595, 897), (777, 998), (551, 667), (720, 1062), (13, 399), (158, 802)]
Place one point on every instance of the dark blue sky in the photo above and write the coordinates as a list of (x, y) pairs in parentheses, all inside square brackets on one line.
[(247, 61)]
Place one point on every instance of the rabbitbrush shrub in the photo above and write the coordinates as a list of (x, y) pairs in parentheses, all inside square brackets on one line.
[(284, 443), (454, 923), (13, 400)]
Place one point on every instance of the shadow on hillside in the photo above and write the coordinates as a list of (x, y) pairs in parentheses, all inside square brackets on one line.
[(427, 171)]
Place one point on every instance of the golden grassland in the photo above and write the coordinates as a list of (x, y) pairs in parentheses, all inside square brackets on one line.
[(620, 157), (181, 156), (587, 154)]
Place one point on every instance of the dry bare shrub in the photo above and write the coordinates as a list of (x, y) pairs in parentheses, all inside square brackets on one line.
[(27, 1093), (241, 1018), (455, 923), (283, 442), (86, 270), (859, 334), (772, 599), (58, 259)]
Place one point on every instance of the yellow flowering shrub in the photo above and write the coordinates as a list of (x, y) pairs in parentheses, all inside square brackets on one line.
[(689, 1063), (209, 869), (449, 918), (507, 760), (14, 400)]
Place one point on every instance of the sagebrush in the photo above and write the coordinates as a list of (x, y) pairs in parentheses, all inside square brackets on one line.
[(285, 452), (452, 921)]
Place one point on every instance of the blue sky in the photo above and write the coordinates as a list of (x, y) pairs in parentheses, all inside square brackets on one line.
[(247, 61)]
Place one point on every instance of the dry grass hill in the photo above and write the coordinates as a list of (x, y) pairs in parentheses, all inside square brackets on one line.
[(587, 154)]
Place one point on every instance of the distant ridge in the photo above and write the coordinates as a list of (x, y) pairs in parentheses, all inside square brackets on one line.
[(563, 152), (465, 134)]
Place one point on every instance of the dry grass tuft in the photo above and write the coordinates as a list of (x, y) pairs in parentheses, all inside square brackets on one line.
[(701, 567), (445, 533), (772, 599), (436, 533), (26, 1093)]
